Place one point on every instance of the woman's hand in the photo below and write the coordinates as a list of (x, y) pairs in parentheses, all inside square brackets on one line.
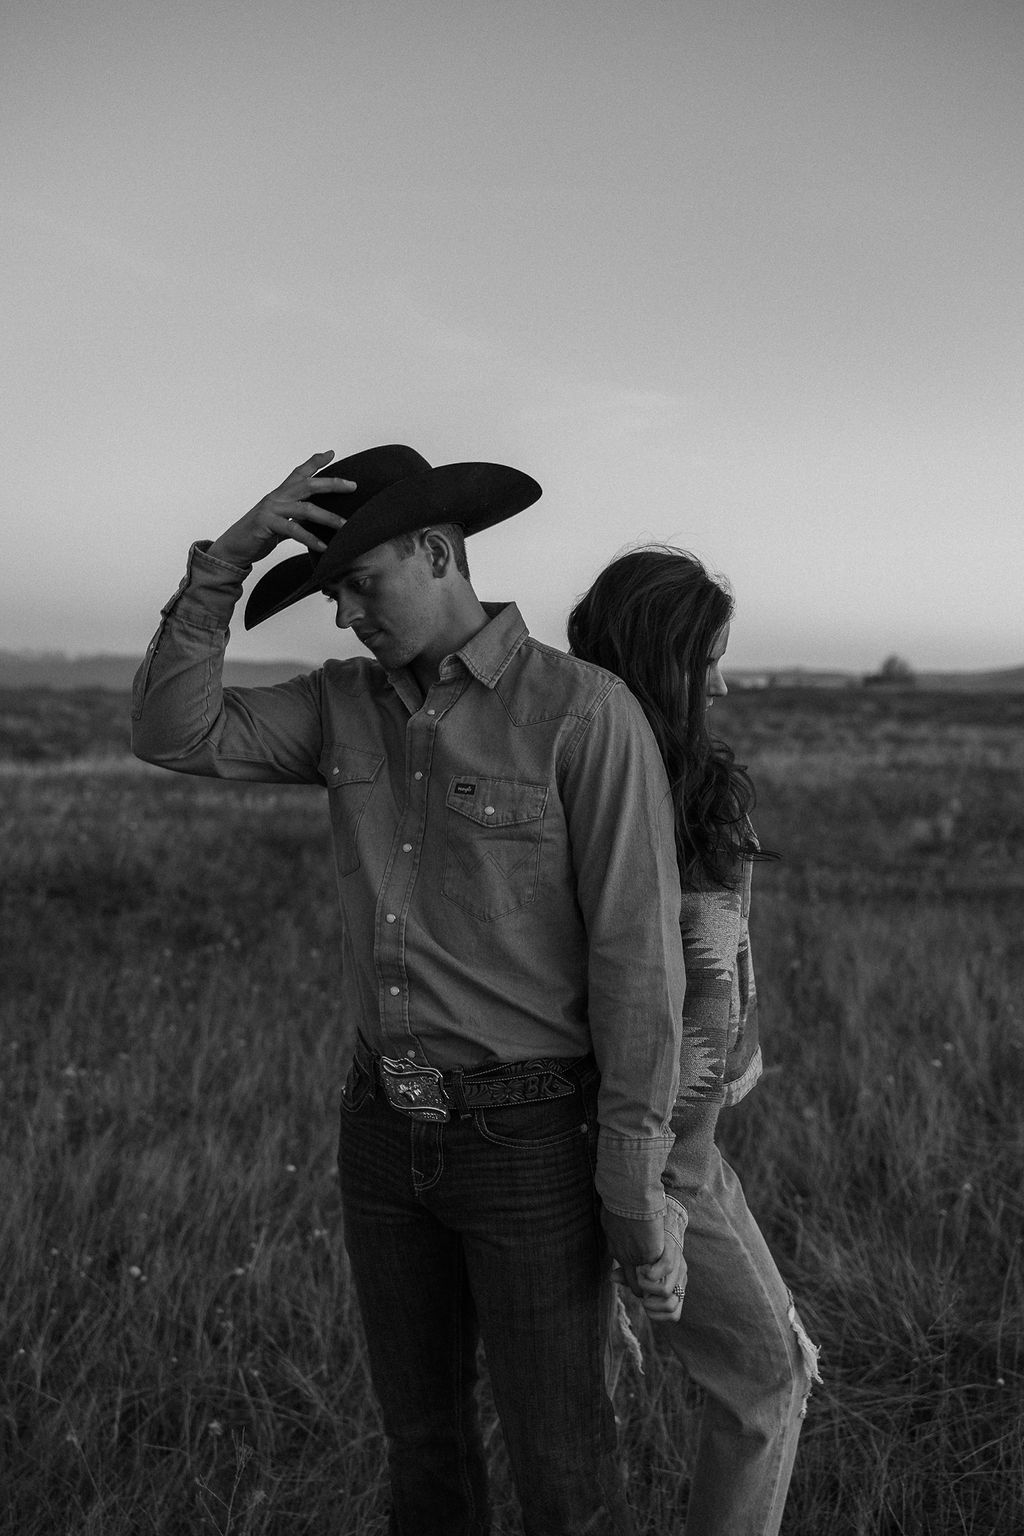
[(663, 1283)]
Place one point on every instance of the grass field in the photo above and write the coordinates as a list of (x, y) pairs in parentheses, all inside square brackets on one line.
[(180, 1347)]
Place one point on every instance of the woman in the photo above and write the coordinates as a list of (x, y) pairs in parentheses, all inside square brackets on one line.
[(659, 621)]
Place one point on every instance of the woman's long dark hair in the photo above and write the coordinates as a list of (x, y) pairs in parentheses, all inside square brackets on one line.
[(652, 617)]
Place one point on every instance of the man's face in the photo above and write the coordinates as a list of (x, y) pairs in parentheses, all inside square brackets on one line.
[(391, 602)]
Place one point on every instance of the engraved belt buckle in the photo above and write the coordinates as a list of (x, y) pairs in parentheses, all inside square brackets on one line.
[(416, 1091)]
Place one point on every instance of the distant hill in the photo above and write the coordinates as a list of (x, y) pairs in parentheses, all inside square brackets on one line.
[(52, 669), (1004, 680)]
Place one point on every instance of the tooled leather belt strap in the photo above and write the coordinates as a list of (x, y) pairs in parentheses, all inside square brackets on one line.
[(531, 1084)]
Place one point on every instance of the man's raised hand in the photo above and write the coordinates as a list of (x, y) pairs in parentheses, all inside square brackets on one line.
[(276, 517)]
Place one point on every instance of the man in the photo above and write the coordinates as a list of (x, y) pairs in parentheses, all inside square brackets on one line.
[(512, 965)]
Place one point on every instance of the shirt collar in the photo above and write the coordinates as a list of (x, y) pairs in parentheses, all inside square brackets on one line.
[(491, 649), (485, 656)]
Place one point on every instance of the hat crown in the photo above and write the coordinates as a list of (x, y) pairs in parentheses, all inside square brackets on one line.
[(373, 470)]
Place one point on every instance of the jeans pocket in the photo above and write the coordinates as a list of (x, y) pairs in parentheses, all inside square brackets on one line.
[(357, 1090), (528, 1126)]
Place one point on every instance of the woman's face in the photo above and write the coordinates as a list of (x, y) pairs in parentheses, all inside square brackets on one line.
[(714, 682)]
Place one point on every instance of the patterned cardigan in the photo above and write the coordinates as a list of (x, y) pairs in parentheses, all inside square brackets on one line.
[(720, 1014)]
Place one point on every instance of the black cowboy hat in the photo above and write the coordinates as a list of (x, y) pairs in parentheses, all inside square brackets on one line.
[(397, 491)]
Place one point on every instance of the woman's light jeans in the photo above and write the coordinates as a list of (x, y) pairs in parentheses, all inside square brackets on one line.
[(741, 1339)]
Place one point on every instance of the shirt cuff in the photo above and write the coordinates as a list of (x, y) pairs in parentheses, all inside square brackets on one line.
[(208, 591), (628, 1175)]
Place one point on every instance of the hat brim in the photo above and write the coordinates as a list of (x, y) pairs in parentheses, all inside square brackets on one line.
[(474, 495)]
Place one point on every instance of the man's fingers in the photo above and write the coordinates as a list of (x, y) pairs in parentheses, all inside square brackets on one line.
[(294, 530), (309, 512), (307, 472), (658, 1272), (313, 463), (663, 1311), (319, 484), (627, 1276)]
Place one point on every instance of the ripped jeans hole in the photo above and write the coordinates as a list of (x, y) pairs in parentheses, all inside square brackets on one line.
[(808, 1350)]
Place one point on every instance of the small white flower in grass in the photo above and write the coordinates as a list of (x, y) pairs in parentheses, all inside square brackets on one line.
[(289, 1168), (215, 1427)]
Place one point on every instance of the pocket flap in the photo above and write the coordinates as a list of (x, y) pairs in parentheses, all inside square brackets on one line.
[(496, 802), (349, 765)]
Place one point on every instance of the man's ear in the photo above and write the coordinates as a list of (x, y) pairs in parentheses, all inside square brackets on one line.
[(440, 552)]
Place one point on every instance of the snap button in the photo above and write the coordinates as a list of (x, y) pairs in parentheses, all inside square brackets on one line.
[(488, 810), (407, 847), (394, 991), (391, 917), (417, 775), (431, 711), (335, 770)]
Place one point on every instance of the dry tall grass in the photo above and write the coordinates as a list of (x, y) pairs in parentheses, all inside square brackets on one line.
[(181, 1351)]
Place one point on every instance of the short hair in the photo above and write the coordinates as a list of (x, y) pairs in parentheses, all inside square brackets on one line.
[(405, 543)]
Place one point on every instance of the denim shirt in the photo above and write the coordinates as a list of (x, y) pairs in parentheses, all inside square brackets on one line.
[(504, 851)]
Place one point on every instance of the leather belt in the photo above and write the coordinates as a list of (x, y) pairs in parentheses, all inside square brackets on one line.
[(427, 1093)]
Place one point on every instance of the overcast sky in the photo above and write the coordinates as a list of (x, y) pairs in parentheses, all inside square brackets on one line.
[(742, 276)]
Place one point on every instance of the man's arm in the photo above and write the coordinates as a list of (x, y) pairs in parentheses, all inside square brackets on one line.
[(181, 716), (621, 824)]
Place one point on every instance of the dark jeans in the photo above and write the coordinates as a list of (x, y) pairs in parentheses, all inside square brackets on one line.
[(483, 1227)]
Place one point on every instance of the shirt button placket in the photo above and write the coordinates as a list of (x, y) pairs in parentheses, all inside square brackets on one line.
[(396, 1021)]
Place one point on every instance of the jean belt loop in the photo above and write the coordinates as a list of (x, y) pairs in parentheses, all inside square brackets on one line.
[(454, 1089)]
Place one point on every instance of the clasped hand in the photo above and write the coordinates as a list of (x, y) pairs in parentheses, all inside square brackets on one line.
[(649, 1257)]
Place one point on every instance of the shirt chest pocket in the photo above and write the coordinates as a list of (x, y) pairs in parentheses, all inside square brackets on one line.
[(494, 831), (349, 774)]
